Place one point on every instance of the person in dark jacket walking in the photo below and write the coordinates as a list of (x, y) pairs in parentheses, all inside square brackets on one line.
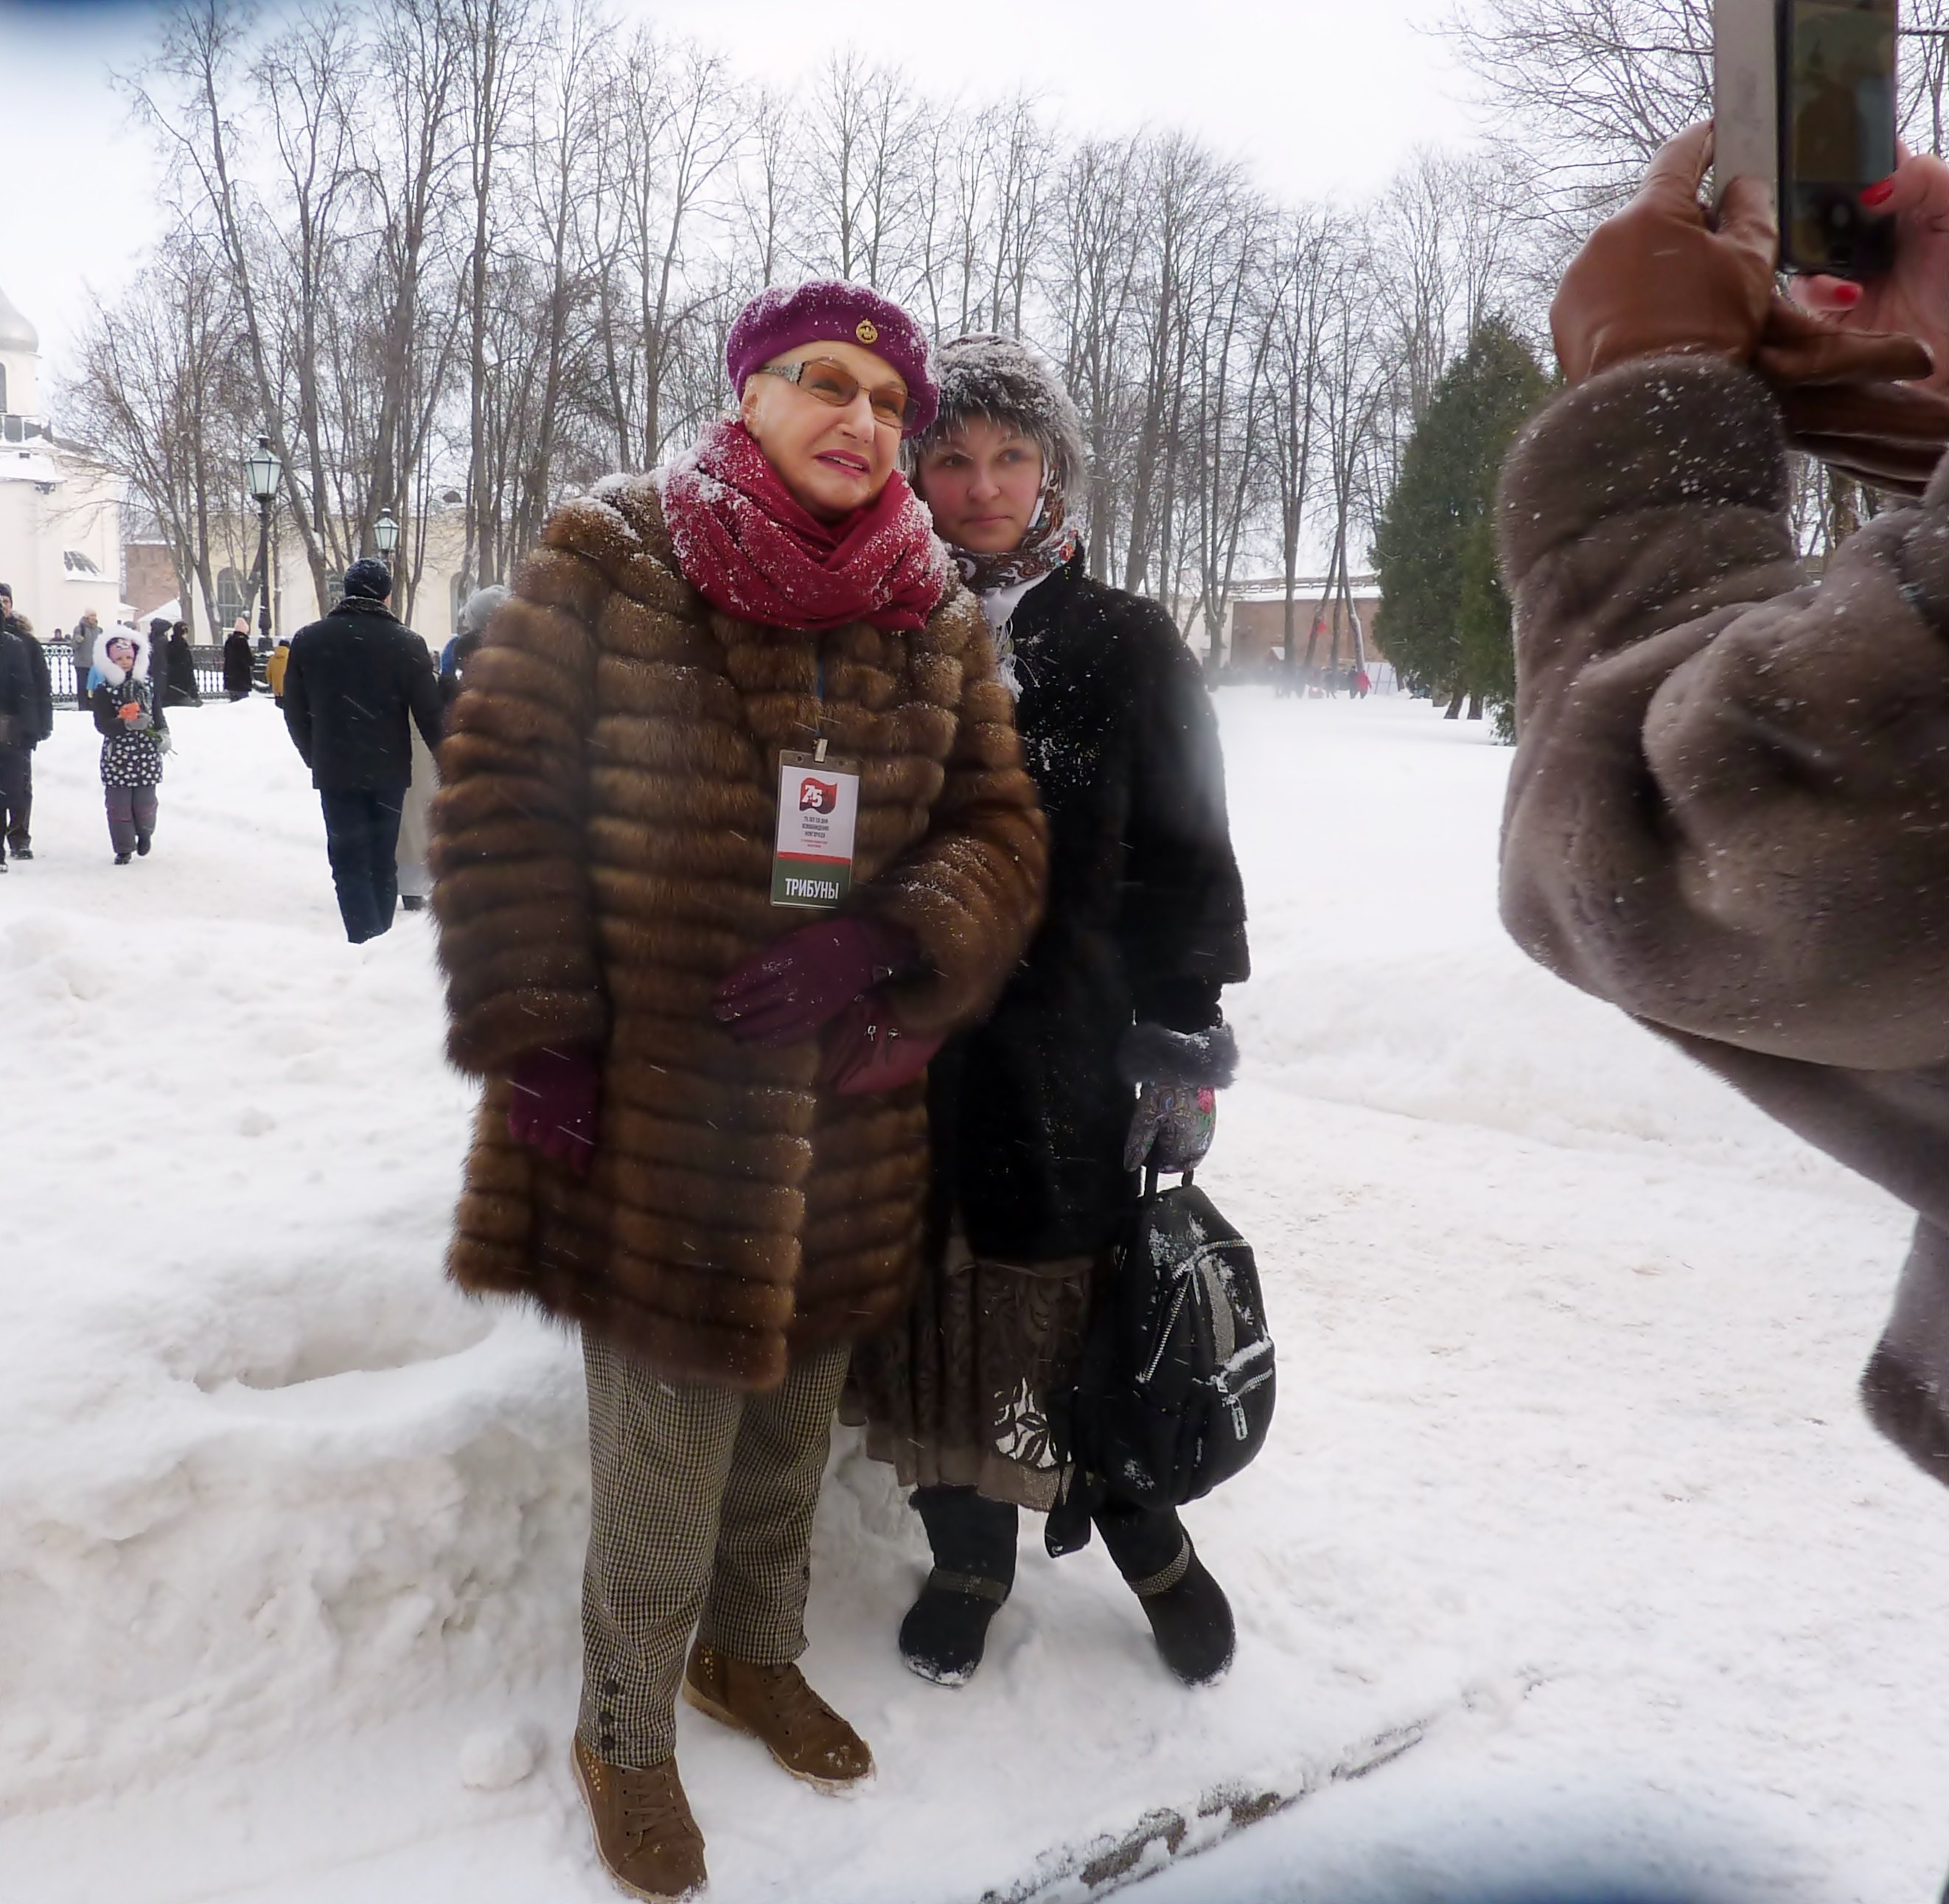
[(470, 626), (26, 719), (237, 664), (357, 682), (180, 672), (87, 640), (128, 709), (416, 875), (1101, 1058)]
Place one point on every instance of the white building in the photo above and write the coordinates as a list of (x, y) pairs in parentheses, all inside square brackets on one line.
[(61, 528), (434, 609)]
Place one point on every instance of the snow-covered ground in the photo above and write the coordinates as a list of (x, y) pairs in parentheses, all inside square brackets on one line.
[(1570, 1543)]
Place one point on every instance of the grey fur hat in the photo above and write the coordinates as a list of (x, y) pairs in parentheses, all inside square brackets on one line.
[(1008, 381), (478, 609)]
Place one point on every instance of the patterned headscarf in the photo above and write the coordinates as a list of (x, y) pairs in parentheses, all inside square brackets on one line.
[(1008, 381), (1054, 536)]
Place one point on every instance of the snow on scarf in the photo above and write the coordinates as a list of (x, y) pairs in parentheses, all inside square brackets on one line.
[(750, 549)]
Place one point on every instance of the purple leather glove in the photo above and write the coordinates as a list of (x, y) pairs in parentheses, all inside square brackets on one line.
[(783, 994), (864, 1049), (552, 1107)]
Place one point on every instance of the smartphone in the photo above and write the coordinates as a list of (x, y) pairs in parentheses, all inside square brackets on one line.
[(1804, 98)]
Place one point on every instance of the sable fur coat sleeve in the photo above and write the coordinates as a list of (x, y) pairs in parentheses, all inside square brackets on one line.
[(602, 854)]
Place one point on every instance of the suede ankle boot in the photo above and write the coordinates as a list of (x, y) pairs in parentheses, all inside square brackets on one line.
[(644, 1834), (774, 1704), (946, 1630)]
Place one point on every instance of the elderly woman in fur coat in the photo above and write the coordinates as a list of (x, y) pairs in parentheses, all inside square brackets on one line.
[(1101, 1058), (1729, 813), (733, 830)]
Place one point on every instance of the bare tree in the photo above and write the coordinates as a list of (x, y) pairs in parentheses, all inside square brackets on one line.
[(490, 249), (1299, 292), (158, 394), (863, 122), (1591, 88)]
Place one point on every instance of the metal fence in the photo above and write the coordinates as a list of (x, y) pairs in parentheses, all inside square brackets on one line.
[(68, 690)]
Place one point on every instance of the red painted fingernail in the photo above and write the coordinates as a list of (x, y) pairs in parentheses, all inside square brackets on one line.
[(1878, 194), (1847, 294)]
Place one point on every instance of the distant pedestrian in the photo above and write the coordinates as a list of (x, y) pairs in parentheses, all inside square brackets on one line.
[(357, 683), (180, 674), (87, 638), (237, 661), (469, 626), (274, 670), (1364, 683), (415, 876), (25, 722), (134, 736)]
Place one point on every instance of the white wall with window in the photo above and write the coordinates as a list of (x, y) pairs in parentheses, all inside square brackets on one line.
[(60, 514)]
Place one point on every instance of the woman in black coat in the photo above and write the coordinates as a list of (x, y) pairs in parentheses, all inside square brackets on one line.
[(238, 663), (1101, 1058), (181, 673)]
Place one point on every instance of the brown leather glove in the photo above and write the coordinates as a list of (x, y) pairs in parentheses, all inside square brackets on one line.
[(1854, 398), (1658, 279), (1890, 436)]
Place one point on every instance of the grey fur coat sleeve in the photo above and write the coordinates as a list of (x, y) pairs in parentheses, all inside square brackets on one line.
[(1729, 810)]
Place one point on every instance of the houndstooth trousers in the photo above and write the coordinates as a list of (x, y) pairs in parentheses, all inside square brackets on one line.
[(701, 1516)]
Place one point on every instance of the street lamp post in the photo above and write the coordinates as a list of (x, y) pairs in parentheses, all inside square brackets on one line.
[(261, 469), (386, 535)]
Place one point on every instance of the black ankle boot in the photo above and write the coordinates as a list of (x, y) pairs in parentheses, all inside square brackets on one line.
[(946, 1630), (1190, 1617)]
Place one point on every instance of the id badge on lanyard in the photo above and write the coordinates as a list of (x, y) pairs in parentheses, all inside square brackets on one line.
[(819, 809)]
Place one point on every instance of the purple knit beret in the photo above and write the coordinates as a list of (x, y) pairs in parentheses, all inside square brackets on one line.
[(827, 311)]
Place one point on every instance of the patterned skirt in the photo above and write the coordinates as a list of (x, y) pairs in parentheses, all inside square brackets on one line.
[(956, 1393)]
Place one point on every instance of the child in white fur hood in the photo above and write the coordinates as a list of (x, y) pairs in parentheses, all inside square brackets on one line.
[(134, 737)]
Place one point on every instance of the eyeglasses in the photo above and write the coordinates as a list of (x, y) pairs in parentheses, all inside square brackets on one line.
[(834, 384)]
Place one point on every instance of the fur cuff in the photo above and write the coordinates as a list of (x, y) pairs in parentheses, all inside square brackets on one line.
[(1192, 1060), (1907, 1408)]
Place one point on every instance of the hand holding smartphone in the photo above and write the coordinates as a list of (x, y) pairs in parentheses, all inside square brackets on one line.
[(1804, 99)]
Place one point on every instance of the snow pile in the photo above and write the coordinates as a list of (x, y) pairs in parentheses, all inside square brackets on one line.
[(1567, 1525)]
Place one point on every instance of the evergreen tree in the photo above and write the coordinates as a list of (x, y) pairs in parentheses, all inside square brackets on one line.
[(1445, 617)]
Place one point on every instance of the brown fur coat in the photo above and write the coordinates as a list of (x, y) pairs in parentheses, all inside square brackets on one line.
[(602, 855)]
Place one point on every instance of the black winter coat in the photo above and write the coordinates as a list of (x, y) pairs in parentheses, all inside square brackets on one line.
[(180, 674), (1145, 921), (353, 680), (237, 665), (26, 690)]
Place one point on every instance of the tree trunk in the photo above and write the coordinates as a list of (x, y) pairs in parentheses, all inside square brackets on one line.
[(1474, 707), (1843, 509), (1454, 713)]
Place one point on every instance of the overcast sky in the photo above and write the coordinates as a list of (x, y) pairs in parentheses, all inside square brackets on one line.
[(1318, 95)]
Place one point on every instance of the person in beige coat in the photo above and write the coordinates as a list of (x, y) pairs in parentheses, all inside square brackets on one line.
[(1729, 813)]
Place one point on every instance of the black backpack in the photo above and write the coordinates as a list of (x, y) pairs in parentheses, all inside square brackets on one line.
[(1173, 1392)]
